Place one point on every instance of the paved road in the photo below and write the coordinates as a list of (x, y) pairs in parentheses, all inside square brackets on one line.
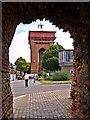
[(18, 87), (41, 101)]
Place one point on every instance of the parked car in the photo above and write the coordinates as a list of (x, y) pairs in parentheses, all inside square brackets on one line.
[(19, 78)]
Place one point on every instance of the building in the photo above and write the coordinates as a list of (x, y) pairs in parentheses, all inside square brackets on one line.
[(12, 71), (66, 60), (39, 41)]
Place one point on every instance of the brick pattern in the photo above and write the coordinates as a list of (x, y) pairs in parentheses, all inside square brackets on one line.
[(79, 93), (7, 98), (7, 35), (36, 46), (44, 105), (67, 68)]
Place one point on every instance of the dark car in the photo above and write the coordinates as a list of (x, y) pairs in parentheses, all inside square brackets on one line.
[(19, 77)]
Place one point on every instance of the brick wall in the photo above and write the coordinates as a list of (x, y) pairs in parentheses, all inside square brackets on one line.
[(67, 68), (79, 91), (37, 44), (34, 55), (7, 98)]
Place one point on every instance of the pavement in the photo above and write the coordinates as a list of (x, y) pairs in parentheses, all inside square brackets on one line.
[(39, 101)]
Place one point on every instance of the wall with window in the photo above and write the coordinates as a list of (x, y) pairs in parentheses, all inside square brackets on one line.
[(66, 60), (65, 57)]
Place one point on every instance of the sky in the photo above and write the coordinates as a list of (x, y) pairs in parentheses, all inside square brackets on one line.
[(20, 47)]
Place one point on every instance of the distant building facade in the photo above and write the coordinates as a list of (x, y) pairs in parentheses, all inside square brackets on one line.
[(66, 60), (39, 41), (12, 71)]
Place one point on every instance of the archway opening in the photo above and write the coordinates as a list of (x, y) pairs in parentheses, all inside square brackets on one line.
[(20, 47), (41, 50), (40, 53)]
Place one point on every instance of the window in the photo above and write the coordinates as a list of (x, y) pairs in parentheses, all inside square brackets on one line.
[(65, 57)]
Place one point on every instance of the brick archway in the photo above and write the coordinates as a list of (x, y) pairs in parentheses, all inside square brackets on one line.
[(40, 52), (69, 16)]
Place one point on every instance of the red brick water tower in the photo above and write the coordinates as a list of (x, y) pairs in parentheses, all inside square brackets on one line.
[(39, 41)]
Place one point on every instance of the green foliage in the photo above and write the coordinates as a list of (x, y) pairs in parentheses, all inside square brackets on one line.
[(50, 58), (40, 74), (60, 76), (44, 75), (27, 70), (48, 78), (40, 79), (51, 64), (22, 65)]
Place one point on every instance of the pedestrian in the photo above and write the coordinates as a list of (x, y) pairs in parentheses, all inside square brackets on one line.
[(34, 79), (26, 79)]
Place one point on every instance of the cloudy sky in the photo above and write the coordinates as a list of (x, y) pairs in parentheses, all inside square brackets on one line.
[(20, 47)]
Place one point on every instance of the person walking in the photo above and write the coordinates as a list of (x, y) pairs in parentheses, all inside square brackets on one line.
[(26, 79), (34, 80)]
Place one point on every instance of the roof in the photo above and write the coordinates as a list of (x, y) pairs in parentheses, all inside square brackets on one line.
[(44, 31)]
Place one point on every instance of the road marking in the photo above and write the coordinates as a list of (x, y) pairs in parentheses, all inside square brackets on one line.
[(19, 97)]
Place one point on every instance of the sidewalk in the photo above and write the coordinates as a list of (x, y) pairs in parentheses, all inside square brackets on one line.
[(51, 104)]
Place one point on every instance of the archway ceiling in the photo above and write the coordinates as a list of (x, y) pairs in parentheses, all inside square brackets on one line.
[(69, 16)]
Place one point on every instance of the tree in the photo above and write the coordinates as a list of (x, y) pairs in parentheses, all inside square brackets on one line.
[(27, 70), (50, 58), (22, 65)]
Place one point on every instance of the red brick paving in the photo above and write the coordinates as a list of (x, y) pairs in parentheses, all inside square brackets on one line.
[(54, 103)]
